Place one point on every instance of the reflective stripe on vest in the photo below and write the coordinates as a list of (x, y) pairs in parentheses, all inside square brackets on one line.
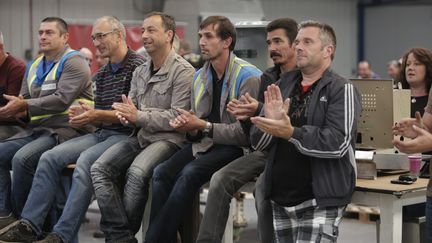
[(234, 90), (55, 71), (76, 102), (52, 75)]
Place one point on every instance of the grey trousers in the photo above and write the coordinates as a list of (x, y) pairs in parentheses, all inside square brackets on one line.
[(223, 184)]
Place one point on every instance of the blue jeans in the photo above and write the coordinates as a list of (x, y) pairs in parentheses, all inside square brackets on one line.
[(122, 204), (175, 184), (429, 219), (84, 151), (22, 156), (223, 184)]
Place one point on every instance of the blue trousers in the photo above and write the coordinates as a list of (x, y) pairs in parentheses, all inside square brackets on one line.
[(176, 182)]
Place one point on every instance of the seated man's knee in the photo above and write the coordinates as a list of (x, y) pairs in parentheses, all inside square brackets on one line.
[(98, 170), (219, 180), (189, 174), (137, 175), (85, 162), (161, 172), (21, 161)]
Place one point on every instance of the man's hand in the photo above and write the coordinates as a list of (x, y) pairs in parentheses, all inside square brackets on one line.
[(405, 126), (81, 115), (14, 107), (187, 121), (244, 108), (126, 111), (421, 143), (277, 127), (274, 106), (276, 121)]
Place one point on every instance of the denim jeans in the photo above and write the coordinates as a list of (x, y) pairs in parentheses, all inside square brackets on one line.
[(22, 156), (223, 184), (175, 183), (84, 151), (429, 219), (122, 204)]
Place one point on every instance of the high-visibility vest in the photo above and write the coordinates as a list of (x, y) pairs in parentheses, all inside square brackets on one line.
[(54, 74), (198, 86)]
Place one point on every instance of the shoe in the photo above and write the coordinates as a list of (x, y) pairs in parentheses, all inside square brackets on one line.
[(5, 221), (98, 234), (19, 232), (51, 238)]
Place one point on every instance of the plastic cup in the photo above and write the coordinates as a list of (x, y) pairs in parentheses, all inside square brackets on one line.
[(415, 164)]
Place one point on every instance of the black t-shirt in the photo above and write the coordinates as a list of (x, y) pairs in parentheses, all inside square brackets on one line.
[(214, 116), (152, 71), (291, 171)]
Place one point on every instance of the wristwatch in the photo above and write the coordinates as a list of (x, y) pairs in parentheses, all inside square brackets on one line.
[(208, 127)]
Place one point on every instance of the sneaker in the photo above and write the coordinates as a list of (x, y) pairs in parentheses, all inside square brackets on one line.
[(98, 234), (51, 238), (19, 232), (7, 220)]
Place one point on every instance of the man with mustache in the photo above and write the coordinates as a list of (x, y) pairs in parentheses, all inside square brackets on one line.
[(228, 180)]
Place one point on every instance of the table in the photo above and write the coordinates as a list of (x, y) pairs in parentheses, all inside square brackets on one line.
[(390, 198)]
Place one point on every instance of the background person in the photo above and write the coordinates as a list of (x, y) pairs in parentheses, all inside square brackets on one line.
[(12, 71)]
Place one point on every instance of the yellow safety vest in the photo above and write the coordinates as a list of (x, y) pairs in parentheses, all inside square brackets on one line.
[(200, 90), (52, 75)]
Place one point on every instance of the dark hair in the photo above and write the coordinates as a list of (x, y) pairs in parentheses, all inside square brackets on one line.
[(289, 25), (366, 62), (327, 34), (61, 24), (167, 21), (424, 56), (224, 28)]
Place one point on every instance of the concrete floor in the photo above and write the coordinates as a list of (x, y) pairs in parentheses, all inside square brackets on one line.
[(351, 230)]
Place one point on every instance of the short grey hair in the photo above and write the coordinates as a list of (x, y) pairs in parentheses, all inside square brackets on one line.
[(1, 38), (327, 33), (115, 23)]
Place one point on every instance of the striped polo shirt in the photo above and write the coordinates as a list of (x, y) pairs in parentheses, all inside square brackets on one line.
[(111, 84)]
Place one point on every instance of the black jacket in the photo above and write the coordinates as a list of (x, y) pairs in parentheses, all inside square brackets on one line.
[(328, 138)]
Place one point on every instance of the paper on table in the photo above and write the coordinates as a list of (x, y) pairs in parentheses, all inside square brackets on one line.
[(364, 155)]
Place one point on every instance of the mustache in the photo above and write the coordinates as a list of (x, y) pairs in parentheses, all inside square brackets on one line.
[(275, 54)]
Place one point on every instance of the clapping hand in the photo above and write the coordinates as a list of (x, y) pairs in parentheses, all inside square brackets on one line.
[(126, 111), (276, 121), (244, 108)]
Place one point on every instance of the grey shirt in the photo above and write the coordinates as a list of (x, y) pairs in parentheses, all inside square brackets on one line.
[(158, 96)]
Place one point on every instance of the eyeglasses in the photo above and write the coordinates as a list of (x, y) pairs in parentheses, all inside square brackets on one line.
[(101, 36)]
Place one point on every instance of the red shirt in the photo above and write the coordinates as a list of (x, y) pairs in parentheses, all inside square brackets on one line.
[(11, 75)]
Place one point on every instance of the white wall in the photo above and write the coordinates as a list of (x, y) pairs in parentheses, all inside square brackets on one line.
[(392, 30), (14, 23)]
